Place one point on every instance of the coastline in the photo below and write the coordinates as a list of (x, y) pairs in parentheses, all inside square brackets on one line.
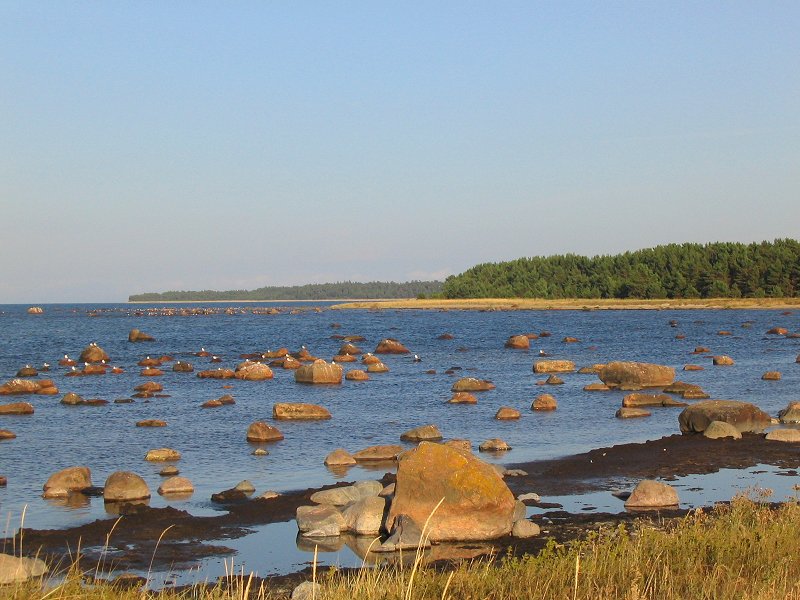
[(485, 304)]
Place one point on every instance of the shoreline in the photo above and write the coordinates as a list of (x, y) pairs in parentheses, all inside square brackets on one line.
[(143, 530), (488, 304)]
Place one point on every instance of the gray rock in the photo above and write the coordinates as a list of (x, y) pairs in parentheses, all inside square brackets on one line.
[(306, 591), (719, 429), (406, 535), (15, 569), (649, 493), (319, 521), (365, 516), (523, 528), (784, 435)]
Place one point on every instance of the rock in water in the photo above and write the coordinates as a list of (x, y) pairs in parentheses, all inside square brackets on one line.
[(319, 372), (553, 366), (649, 493), (745, 417), (124, 486), (71, 479), (471, 384), (139, 336), (299, 411), (428, 433), (636, 374), (391, 346), (477, 503), (94, 354)]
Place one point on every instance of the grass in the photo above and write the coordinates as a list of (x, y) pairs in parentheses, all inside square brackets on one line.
[(747, 550), (575, 304)]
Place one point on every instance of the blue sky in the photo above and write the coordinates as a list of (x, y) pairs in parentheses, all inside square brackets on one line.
[(152, 146)]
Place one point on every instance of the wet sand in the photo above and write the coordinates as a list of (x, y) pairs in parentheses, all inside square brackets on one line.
[(134, 540)]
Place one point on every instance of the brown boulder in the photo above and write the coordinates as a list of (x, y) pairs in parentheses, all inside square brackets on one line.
[(253, 371), (722, 360), (139, 336), (125, 486), (477, 503), (5, 434), (27, 371), (344, 358), (350, 349), (506, 413), (784, 435), (518, 342), (790, 414), (544, 402), (391, 346), (639, 400), (94, 354), (553, 366), (340, 458), (771, 376), (744, 416), (162, 455), (319, 372), (176, 486), (71, 479), (778, 331), (631, 413), (494, 445), (463, 398), (429, 433), (16, 408), (471, 384), (262, 432), (652, 494), (182, 367), (382, 453), (35, 310), (299, 411), (151, 423), (356, 375), (370, 359), (693, 368), (377, 367), (596, 387), (28, 386), (217, 374), (149, 386), (636, 374)]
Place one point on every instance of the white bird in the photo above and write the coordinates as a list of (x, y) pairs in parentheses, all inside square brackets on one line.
[(417, 358)]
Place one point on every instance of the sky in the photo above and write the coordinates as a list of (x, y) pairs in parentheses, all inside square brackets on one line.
[(189, 145)]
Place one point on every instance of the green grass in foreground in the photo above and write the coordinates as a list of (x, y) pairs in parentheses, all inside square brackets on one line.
[(747, 550)]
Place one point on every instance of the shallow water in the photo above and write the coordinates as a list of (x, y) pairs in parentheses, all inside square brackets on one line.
[(212, 441)]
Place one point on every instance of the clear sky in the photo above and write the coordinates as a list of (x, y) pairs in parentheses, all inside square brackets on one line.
[(153, 146)]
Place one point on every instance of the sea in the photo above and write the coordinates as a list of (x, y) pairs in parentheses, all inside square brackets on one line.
[(216, 455)]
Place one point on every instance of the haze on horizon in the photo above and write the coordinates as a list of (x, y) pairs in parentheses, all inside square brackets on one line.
[(187, 146)]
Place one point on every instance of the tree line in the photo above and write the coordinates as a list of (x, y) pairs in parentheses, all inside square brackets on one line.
[(714, 270), (312, 291)]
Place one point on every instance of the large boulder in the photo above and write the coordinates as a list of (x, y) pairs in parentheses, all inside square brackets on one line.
[(319, 372), (178, 486), (17, 569), (139, 336), (475, 502), (784, 435), (260, 431), (299, 411), (471, 384), (94, 354), (253, 371), (71, 479), (124, 486), (651, 494), (553, 366), (343, 495), (745, 417), (391, 346), (636, 374), (544, 402)]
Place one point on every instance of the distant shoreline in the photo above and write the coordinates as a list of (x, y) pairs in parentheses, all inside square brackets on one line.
[(346, 300), (574, 304)]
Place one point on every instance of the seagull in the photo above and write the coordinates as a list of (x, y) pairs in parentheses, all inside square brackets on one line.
[(417, 358)]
